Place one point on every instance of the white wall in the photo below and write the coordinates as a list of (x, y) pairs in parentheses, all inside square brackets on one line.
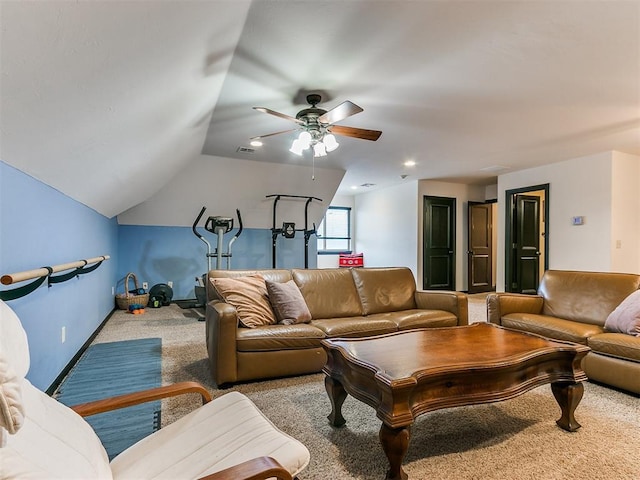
[(491, 192), (463, 195), (331, 261), (580, 187), (224, 184), (625, 211), (386, 228)]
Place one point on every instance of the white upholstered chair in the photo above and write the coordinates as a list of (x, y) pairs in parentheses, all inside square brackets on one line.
[(226, 438)]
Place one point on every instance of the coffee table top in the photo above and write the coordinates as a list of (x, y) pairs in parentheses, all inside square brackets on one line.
[(415, 353)]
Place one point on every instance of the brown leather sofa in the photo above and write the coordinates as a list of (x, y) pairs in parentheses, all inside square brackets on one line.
[(573, 306), (343, 302)]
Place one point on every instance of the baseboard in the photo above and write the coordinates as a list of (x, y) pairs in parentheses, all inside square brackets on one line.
[(65, 371)]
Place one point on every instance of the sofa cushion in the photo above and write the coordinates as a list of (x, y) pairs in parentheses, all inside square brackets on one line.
[(586, 297), (249, 296), (274, 275), (551, 327), (616, 345), (278, 337), (408, 319), (287, 302), (354, 326), (626, 317), (329, 293), (385, 289)]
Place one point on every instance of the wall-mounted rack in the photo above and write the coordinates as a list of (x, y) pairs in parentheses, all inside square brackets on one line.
[(45, 273)]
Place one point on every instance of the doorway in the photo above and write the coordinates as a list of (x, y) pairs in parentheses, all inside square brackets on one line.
[(439, 240), (480, 247), (526, 238)]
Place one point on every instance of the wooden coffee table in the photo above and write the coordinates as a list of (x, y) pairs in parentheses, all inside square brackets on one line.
[(405, 374)]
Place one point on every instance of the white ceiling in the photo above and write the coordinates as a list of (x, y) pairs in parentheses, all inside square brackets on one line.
[(107, 101)]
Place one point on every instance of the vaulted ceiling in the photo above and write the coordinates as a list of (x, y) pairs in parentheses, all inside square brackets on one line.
[(108, 101)]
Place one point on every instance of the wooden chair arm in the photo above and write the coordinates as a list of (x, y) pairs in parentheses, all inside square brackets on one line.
[(136, 398), (256, 469)]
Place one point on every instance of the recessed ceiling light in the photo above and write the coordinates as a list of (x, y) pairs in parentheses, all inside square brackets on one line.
[(354, 187), (409, 163), (256, 143)]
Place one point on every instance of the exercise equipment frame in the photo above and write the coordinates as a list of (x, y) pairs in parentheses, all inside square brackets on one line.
[(285, 229)]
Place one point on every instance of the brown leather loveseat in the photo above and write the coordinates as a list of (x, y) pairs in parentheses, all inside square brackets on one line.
[(343, 302), (573, 306)]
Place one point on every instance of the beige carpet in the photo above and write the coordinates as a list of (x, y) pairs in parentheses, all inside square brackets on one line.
[(515, 439)]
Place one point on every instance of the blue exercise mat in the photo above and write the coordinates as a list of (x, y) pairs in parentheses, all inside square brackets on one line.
[(110, 369)]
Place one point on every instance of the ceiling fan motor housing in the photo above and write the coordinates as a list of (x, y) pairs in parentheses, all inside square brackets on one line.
[(310, 117)]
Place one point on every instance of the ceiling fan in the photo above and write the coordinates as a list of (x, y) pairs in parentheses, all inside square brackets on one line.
[(318, 126)]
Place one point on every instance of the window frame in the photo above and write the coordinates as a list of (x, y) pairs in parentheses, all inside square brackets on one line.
[(320, 237)]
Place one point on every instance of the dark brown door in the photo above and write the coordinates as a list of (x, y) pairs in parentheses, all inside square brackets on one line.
[(480, 257), (439, 243), (526, 244)]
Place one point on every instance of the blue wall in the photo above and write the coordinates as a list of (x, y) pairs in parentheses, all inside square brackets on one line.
[(39, 226), (162, 254)]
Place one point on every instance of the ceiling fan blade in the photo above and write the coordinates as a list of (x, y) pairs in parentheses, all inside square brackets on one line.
[(342, 111), (272, 134), (278, 114), (356, 132)]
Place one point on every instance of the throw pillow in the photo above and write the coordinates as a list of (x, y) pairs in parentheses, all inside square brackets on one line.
[(249, 296), (288, 303), (626, 317)]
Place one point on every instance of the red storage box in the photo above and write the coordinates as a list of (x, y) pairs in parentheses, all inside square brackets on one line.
[(351, 260)]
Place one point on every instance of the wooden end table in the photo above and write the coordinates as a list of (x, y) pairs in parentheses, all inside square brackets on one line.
[(405, 374)]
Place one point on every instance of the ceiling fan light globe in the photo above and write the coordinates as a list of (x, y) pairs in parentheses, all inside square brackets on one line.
[(330, 142), (305, 139), (319, 150), (297, 148)]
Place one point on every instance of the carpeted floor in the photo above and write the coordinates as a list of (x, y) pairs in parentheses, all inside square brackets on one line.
[(515, 439)]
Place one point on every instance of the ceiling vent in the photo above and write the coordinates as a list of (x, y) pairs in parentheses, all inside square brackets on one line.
[(494, 169), (245, 150), (367, 185)]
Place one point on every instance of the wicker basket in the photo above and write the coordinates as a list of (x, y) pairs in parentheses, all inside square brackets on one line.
[(123, 300)]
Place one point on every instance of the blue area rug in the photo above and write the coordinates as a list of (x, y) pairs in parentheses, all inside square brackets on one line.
[(109, 369)]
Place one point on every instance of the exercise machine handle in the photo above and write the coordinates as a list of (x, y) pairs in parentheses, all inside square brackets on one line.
[(233, 239), (195, 224), (239, 223)]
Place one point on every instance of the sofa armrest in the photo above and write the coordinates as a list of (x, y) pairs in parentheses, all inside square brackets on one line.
[(449, 301), (501, 304), (221, 327)]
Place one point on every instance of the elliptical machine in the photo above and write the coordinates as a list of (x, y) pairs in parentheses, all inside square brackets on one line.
[(218, 226)]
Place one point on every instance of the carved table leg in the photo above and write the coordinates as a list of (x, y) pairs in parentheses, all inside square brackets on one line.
[(395, 442), (568, 396), (337, 396)]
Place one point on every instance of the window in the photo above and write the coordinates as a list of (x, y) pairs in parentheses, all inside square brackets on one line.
[(334, 232)]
